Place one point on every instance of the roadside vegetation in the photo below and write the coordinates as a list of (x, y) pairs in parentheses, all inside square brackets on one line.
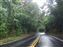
[(18, 17), (54, 22)]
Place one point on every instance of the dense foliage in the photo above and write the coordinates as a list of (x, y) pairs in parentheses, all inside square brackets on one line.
[(17, 17), (54, 22)]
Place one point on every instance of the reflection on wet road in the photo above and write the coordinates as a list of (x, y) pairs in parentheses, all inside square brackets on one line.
[(49, 41)]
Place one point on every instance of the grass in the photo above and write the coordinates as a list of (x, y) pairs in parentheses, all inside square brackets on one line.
[(12, 39)]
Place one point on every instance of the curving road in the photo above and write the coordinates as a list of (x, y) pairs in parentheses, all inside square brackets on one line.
[(49, 41)]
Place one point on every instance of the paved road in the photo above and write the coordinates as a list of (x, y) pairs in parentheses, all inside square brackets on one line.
[(49, 41), (21, 43)]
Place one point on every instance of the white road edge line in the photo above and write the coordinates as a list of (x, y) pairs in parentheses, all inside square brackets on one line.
[(58, 38)]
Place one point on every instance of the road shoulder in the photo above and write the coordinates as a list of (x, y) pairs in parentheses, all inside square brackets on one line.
[(58, 38)]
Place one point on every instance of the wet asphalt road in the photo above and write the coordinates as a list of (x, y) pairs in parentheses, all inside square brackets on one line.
[(21, 43), (44, 41), (49, 41)]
